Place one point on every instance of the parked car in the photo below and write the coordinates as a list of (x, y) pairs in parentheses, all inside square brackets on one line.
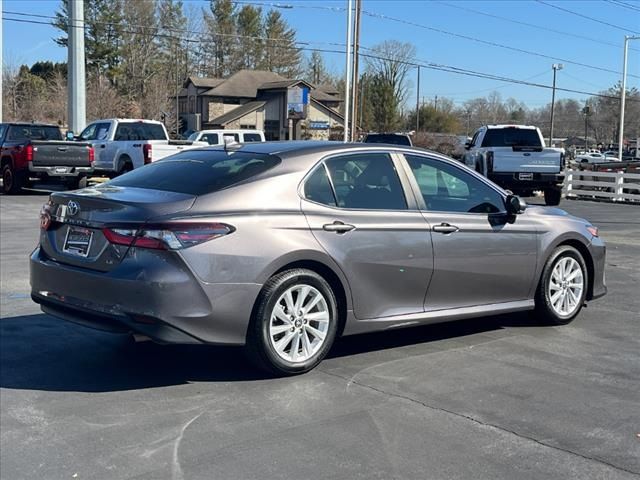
[(515, 157), (30, 152), (403, 139), (283, 246), (216, 137), (124, 144), (595, 157)]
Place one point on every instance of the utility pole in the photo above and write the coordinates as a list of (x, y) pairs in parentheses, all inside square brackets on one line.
[(418, 102), (76, 70), (354, 81), (627, 38), (556, 67), (435, 103), (586, 111), (347, 73)]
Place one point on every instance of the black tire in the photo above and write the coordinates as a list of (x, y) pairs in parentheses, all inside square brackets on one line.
[(125, 165), (11, 180), (552, 196), (259, 349), (544, 310)]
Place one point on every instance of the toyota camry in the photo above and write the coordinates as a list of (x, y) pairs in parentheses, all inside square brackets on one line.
[(281, 247)]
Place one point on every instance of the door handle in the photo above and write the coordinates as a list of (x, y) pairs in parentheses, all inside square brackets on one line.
[(338, 227), (445, 228)]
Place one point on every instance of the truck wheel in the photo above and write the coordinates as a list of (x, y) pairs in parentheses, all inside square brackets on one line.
[(125, 165), (552, 196), (11, 182)]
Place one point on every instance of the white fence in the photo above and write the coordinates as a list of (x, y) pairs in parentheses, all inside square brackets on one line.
[(612, 186)]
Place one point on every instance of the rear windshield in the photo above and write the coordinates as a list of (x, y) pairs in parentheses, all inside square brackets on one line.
[(33, 132), (388, 138), (511, 137), (198, 172)]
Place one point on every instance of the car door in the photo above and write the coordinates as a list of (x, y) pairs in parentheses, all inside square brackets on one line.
[(358, 211), (481, 256)]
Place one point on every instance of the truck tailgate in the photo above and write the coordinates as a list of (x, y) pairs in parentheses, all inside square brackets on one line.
[(61, 154), (508, 160)]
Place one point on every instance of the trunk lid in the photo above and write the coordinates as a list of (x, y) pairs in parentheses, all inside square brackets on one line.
[(511, 159), (60, 154), (75, 235)]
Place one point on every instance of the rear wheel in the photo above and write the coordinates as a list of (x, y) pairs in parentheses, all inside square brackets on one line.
[(11, 181), (294, 324), (125, 165), (552, 196), (563, 287)]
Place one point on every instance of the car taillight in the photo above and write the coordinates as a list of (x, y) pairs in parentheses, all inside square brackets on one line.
[(28, 153), (45, 216), (92, 155), (173, 236), (146, 153), (489, 162)]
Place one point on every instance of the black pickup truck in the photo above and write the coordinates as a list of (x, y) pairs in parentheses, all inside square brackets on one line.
[(32, 151)]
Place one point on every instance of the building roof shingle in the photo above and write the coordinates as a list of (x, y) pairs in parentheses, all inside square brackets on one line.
[(244, 83), (237, 113)]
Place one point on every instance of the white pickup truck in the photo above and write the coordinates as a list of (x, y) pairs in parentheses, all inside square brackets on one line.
[(515, 157), (121, 145)]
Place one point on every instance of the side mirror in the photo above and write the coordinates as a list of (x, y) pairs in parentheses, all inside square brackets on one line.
[(515, 205), (70, 136), (467, 145)]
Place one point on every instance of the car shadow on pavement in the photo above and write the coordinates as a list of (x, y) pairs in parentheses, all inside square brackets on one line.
[(39, 352)]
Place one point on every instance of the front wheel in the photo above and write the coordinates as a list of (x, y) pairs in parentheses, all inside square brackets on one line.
[(552, 196), (563, 286), (294, 323)]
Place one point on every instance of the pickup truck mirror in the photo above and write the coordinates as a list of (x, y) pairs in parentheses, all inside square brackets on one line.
[(514, 204), (467, 145), (70, 136)]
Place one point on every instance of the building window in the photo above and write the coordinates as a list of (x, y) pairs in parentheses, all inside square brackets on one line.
[(247, 127)]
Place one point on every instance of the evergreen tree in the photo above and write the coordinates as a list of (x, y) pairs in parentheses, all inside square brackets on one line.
[(221, 30), (250, 46), (281, 54)]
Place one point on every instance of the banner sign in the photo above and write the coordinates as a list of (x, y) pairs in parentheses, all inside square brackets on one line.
[(297, 100)]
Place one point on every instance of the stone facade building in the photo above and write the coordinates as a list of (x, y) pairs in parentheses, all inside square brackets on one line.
[(258, 99)]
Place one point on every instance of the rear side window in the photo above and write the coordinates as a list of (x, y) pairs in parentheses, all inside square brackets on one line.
[(366, 181), (252, 137), (318, 189), (198, 172), (139, 131), (235, 136), (511, 137), (33, 132)]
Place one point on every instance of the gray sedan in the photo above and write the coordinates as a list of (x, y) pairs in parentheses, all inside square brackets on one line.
[(283, 246)]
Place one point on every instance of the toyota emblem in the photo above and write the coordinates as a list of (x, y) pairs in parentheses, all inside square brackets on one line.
[(73, 208)]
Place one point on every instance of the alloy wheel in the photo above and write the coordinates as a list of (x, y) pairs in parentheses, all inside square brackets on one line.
[(299, 323), (566, 286)]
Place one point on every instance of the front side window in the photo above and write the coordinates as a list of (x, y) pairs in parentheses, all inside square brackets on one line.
[(446, 188), (366, 181), (95, 131)]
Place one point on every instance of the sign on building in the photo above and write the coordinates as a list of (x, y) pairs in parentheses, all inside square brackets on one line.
[(297, 101)]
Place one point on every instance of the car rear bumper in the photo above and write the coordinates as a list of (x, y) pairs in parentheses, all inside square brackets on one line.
[(537, 181), (151, 293), (60, 171)]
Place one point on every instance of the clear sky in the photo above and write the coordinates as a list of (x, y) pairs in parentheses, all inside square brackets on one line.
[(324, 22)]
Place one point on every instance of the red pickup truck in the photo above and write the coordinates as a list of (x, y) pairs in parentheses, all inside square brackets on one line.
[(31, 151)]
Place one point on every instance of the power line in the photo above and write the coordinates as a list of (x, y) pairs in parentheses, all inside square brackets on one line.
[(444, 32), (416, 63), (531, 25), (586, 17), (623, 5)]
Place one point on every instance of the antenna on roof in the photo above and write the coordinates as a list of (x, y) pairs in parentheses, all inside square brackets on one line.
[(229, 141)]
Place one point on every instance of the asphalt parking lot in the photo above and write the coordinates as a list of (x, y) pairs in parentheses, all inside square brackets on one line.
[(490, 398)]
